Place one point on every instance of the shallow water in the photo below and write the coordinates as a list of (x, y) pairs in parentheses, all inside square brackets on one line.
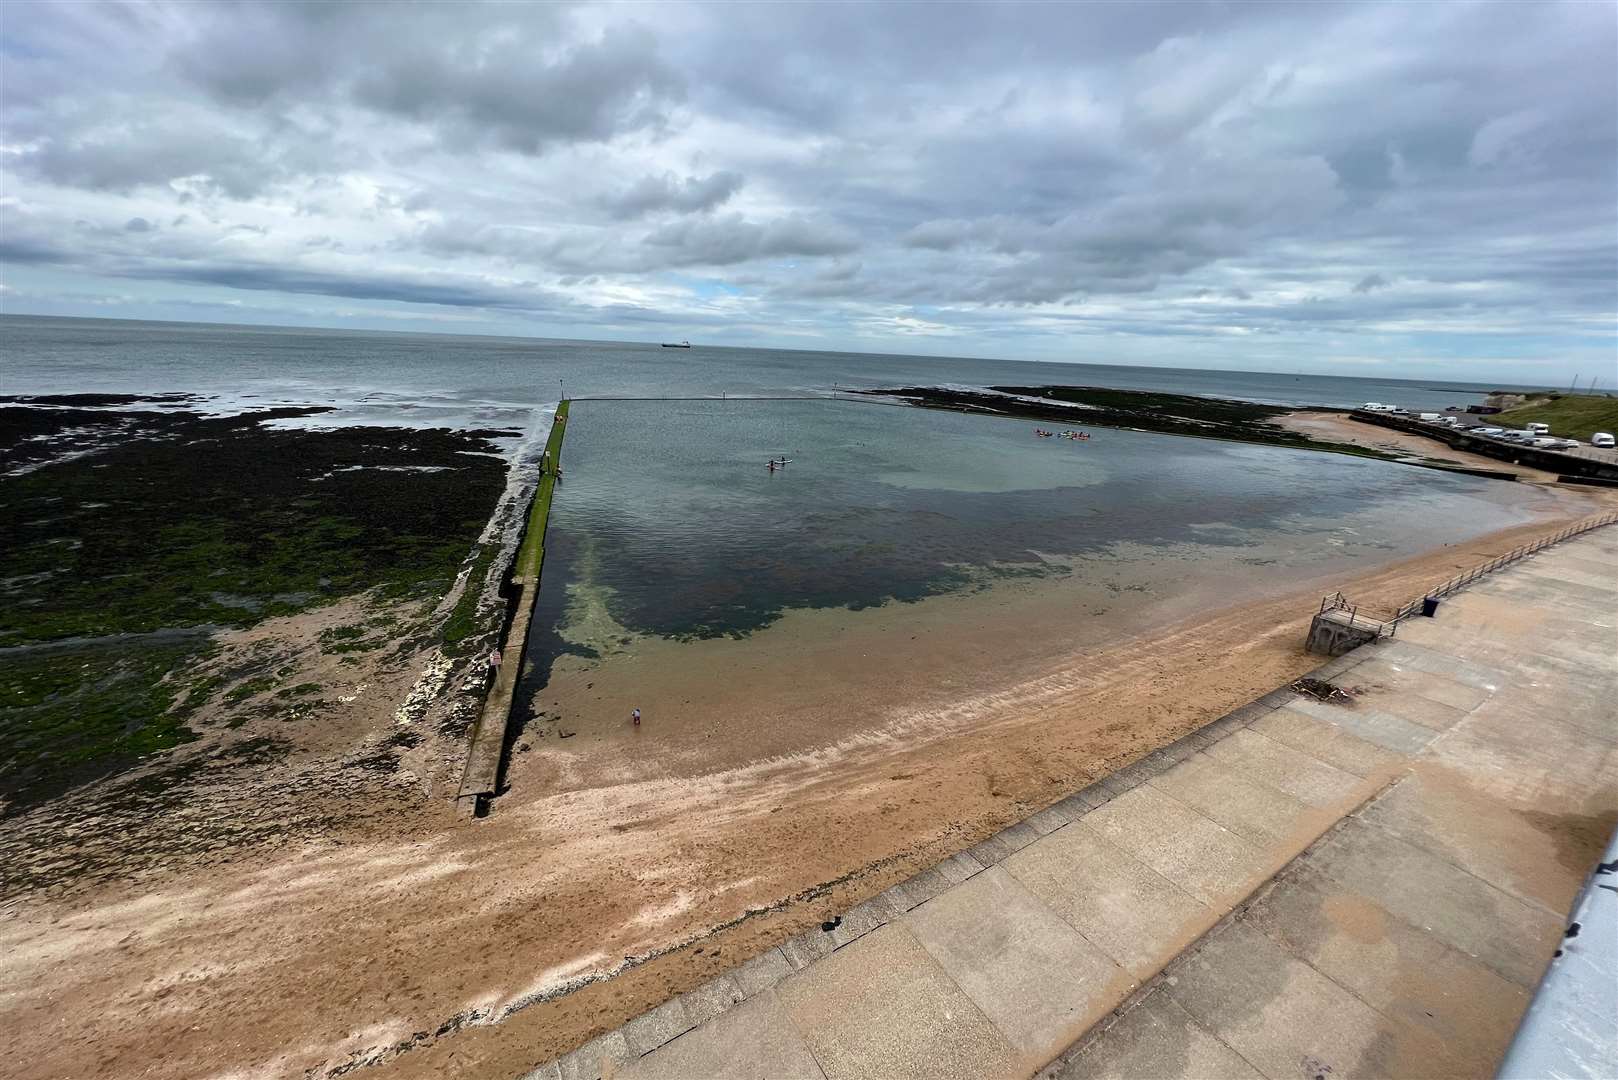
[(669, 524)]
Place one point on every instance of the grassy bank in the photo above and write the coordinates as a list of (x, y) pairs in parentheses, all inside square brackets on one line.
[(116, 564), (531, 556), (1572, 416)]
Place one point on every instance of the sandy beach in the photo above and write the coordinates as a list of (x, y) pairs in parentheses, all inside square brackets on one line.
[(625, 866), (1340, 427)]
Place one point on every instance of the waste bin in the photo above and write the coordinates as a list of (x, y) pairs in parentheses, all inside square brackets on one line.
[(1429, 606)]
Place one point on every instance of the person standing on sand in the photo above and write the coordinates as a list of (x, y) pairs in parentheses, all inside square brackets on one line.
[(636, 717)]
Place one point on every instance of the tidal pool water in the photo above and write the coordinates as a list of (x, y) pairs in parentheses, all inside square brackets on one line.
[(669, 524)]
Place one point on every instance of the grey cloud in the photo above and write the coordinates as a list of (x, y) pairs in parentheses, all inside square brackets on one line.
[(709, 240), (650, 194), (442, 290), (127, 154), (25, 250), (506, 74), (600, 89), (1179, 169), (943, 235), (723, 241), (137, 224), (840, 279), (1130, 243)]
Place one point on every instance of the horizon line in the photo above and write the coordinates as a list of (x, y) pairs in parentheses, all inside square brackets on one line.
[(1474, 383)]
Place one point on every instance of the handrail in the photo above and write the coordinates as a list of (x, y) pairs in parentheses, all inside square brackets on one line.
[(1339, 602)]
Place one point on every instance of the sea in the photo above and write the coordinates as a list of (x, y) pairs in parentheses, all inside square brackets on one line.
[(669, 524), (452, 379)]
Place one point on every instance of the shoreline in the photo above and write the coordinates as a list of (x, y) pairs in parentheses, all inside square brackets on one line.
[(622, 869), (1225, 419), (1339, 426), (952, 772)]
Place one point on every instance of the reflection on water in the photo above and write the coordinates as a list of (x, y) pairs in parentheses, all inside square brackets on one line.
[(669, 522)]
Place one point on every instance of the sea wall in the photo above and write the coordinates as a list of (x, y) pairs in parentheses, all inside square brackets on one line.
[(485, 755)]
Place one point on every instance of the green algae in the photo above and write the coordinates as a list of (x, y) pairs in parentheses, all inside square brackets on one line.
[(175, 520)]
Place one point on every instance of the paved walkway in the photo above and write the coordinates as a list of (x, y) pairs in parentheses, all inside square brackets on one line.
[(1299, 889)]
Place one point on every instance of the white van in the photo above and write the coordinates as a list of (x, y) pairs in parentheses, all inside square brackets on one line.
[(1428, 417), (1603, 439), (1538, 429)]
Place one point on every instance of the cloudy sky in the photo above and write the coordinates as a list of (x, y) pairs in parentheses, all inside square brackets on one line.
[(1367, 188)]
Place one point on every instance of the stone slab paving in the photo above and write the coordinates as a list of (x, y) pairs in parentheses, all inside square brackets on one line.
[(1408, 940), (1298, 889)]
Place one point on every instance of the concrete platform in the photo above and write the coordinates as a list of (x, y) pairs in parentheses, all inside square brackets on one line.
[(1300, 889)]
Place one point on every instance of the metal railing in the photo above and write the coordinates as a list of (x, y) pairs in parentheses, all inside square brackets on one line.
[(1459, 581), (1339, 602)]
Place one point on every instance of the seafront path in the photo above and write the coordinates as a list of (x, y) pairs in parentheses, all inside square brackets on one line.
[(1299, 889)]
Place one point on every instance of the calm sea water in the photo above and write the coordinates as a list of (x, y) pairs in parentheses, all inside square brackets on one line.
[(431, 378)]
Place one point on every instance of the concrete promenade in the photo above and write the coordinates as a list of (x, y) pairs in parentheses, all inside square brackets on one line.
[(1300, 889)]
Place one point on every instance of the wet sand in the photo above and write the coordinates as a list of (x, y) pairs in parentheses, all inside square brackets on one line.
[(631, 865)]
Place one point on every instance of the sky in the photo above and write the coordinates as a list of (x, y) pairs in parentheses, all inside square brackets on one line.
[(1379, 189)]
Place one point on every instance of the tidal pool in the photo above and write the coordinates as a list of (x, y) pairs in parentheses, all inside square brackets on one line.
[(670, 526)]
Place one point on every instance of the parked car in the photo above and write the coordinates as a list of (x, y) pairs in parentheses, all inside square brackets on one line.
[(1449, 421), (1566, 444), (1538, 429), (1602, 439), (1517, 435), (1488, 431), (1396, 411)]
